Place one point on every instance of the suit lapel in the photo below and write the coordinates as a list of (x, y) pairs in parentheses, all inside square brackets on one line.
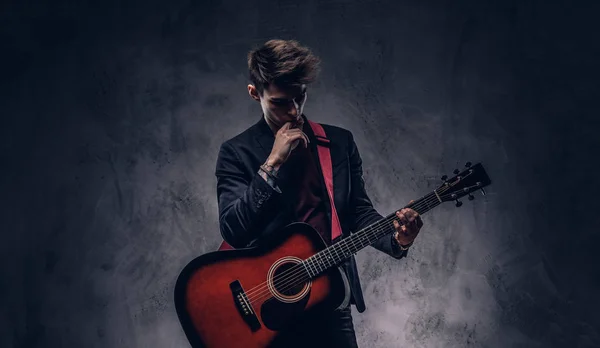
[(264, 137)]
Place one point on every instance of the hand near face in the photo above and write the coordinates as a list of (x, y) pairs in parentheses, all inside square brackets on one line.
[(286, 140)]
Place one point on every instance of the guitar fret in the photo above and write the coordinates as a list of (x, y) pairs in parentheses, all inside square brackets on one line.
[(306, 269), (319, 266), (331, 258), (337, 256), (313, 265), (342, 244)]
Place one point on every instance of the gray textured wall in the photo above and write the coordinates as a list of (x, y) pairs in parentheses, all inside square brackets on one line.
[(113, 114)]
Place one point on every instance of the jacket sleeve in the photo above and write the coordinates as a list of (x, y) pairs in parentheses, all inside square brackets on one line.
[(363, 212), (246, 201)]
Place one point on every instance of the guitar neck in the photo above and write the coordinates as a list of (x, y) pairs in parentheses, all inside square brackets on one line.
[(343, 249)]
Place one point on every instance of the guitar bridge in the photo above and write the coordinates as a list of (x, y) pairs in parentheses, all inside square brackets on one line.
[(243, 305)]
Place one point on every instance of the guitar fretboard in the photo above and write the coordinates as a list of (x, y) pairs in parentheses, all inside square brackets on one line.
[(340, 251)]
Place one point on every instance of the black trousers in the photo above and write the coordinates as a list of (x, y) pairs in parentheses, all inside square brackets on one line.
[(331, 329)]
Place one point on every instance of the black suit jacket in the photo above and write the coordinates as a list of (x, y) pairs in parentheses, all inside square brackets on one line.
[(249, 208)]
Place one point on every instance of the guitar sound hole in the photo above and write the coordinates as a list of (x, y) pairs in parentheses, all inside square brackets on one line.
[(287, 279)]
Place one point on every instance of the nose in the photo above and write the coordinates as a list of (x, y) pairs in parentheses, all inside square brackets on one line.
[(295, 110)]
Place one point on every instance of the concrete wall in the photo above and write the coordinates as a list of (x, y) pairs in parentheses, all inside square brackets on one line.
[(113, 112)]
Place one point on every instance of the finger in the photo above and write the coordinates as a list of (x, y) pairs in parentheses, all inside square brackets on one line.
[(298, 131), (286, 126), (410, 219), (298, 136), (292, 131), (400, 216), (412, 216), (410, 211), (306, 140), (306, 136), (399, 228), (398, 222), (418, 219)]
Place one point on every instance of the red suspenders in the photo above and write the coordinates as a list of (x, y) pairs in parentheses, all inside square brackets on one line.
[(326, 167)]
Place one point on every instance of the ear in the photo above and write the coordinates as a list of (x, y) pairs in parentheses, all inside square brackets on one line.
[(253, 92)]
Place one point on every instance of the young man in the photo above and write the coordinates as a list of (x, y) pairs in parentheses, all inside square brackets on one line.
[(268, 176)]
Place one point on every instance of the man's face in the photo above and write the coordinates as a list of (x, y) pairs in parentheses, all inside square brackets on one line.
[(281, 105)]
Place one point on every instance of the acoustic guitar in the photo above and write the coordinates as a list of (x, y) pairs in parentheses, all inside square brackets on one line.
[(245, 297)]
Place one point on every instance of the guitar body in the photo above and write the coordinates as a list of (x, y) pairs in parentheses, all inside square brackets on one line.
[(247, 297)]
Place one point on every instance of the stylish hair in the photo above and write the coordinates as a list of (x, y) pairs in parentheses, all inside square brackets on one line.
[(283, 63)]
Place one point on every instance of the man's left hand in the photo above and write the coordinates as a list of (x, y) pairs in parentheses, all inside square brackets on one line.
[(407, 232)]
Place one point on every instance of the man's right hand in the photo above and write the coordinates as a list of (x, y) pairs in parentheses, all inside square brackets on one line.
[(286, 140)]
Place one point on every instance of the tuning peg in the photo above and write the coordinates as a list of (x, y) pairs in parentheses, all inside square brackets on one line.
[(456, 171), (458, 203), (444, 177), (471, 197), (482, 191), (468, 164)]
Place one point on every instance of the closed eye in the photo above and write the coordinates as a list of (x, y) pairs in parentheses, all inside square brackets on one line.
[(282, 102)]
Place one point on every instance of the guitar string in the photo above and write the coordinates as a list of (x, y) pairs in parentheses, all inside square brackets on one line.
[(337, 247), (252, 293), (298, 272), (292, 279), (299, 275), (359, 238), (295, 268)]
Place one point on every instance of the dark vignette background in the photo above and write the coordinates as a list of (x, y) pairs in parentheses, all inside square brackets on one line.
[(113, 112)]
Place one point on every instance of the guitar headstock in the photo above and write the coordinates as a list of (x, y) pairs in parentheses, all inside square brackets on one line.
[(463, 183)]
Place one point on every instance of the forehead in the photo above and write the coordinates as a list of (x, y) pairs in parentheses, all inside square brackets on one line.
[(287, 92)]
